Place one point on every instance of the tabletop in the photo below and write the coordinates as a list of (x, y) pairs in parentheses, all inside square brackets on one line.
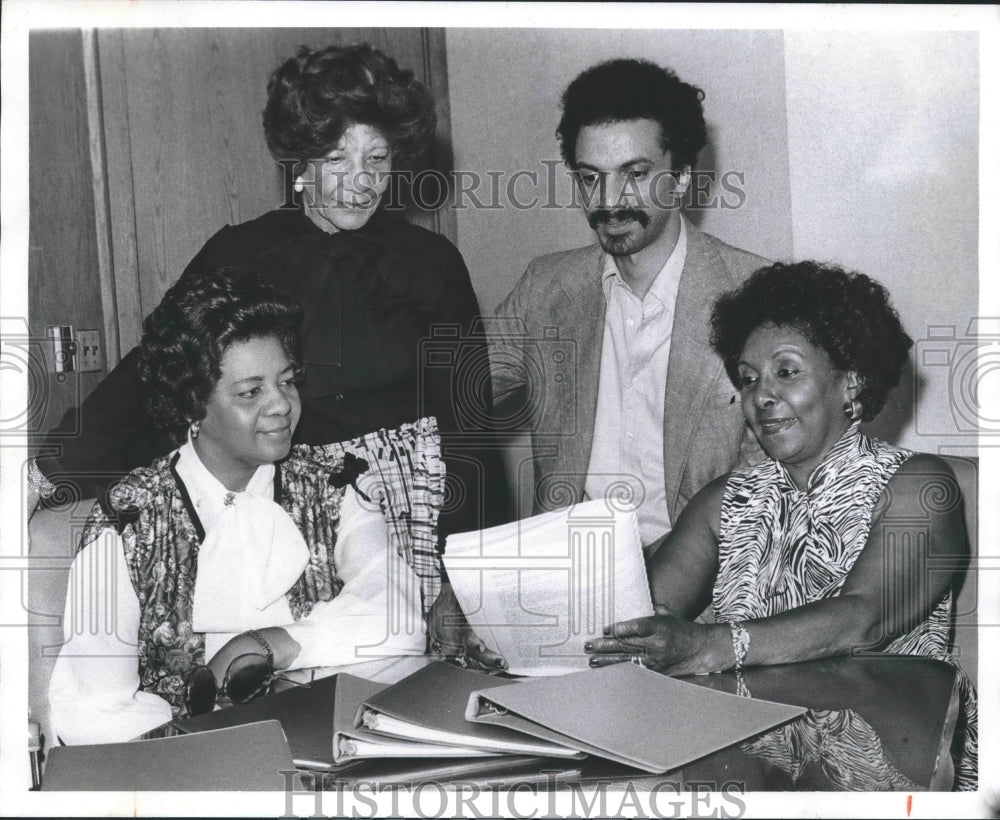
[(874, 723)]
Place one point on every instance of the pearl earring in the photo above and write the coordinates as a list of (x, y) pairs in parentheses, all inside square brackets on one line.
[(195, 429)]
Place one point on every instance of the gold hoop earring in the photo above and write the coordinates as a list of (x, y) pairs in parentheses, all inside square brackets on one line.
[(852, 409)]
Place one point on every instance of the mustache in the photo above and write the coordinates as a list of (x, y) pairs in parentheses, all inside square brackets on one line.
[(604, 215)]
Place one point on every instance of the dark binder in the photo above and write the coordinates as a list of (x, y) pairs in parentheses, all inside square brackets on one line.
[(305, 714), (429, 706), (352, 742), (627, 714), (254, 757)]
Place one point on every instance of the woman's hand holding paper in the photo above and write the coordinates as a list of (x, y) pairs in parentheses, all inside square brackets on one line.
[(451, 635)]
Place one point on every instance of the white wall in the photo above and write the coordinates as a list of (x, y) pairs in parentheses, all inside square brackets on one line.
[(883, 146), (857, 148)]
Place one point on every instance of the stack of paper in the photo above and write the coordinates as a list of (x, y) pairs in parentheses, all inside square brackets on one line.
[(536, 590)]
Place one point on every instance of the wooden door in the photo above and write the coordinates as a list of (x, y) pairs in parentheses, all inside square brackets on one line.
[(184, 145)]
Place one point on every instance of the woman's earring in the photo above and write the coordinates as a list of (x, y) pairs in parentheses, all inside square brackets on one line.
[(299, 185), (195, 429), (852, 409)]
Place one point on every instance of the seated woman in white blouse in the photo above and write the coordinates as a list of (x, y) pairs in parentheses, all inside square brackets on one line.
[(237, 542)]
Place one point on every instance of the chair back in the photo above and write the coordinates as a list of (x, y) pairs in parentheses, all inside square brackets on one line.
[(965, 633), (53, 536)]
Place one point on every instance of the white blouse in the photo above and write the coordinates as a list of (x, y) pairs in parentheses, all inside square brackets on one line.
[(94, 690)]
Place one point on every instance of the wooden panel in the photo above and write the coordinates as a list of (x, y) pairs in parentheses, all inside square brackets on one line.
[(99, 185), (193, 100), (442, 156), (63, 281), (118, 178)]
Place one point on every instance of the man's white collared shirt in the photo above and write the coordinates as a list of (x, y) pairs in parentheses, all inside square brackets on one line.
[(626, 459)]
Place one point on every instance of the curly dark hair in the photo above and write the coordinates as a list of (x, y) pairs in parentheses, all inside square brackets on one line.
[(186, 335), (313, 97), (847, 315), (620, 90)]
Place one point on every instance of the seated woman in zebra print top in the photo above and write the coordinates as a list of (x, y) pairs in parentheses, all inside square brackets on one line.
[(812, 552)]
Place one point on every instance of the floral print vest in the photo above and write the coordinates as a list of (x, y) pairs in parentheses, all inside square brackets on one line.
[(161, 534)]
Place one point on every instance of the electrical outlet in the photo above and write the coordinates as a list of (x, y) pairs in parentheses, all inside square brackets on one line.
[(89, 351)]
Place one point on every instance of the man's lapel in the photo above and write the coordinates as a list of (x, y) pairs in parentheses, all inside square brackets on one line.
[(693, 368), (579, 315)]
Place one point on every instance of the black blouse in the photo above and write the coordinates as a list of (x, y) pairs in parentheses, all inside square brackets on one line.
[(388, 336)]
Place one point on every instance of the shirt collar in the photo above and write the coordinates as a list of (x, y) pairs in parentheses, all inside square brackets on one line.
[(846, 450), (205, 487), (664, 285)]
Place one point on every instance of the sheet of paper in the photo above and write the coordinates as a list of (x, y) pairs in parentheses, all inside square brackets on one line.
[(536, 590)]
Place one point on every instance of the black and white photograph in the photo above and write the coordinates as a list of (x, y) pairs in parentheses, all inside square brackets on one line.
[(499, 410)]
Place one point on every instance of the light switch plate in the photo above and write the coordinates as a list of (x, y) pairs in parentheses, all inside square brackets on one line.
[(89, 351)]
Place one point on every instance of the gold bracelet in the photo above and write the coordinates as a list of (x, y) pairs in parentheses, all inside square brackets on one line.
[(253, 633)]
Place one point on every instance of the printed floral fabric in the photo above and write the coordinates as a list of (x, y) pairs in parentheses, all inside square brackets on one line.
[(161, 542), (161, 551), (781, 547), (404, 475)]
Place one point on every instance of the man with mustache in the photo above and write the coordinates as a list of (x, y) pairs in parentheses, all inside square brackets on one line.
[(607, 346)]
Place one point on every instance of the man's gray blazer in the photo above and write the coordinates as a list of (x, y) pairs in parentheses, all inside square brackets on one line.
[(545, 354)]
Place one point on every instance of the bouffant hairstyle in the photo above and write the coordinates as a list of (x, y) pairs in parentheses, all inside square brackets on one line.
[(621, 90), (847, 315), (313, 97), (187, 334)]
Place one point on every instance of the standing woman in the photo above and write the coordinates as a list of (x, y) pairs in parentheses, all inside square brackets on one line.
[(371, 287)]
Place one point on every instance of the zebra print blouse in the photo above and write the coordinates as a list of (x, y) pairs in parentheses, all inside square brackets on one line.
[(781, 547)]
